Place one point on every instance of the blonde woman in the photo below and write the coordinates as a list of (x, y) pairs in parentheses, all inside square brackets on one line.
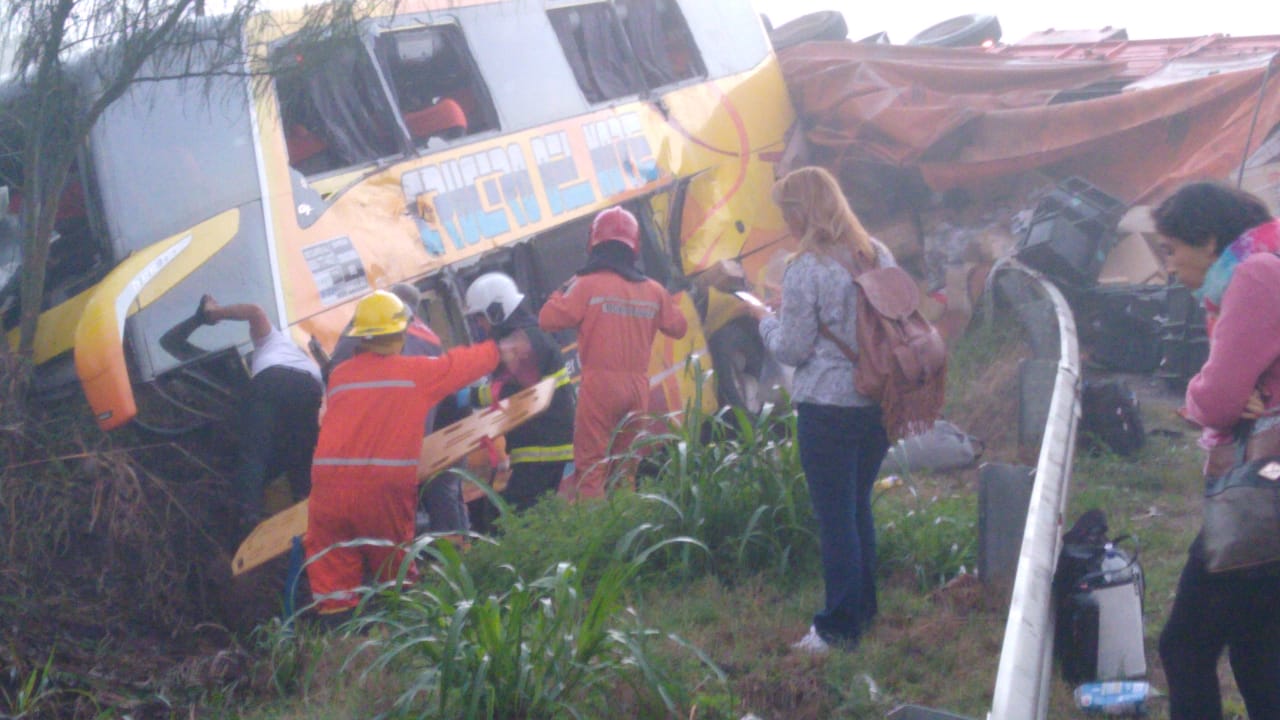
[(842, 441)]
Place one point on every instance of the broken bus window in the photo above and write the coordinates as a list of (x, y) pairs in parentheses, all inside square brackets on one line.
[(332, 108), (435, 83), (621, 48)]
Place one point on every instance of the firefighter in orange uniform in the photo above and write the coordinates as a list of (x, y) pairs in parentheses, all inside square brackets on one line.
[(617, 311), (364, 480)]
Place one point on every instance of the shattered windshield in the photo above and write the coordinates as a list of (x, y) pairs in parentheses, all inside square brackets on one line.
[(171, 154)]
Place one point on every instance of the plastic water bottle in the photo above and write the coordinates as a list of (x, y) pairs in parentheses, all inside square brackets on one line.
[(1114, 563), (1120, 697)]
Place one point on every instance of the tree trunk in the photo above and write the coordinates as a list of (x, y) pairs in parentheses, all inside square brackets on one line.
[(50, 152)]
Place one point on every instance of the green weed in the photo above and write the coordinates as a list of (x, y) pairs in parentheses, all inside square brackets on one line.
[(733, 482), (931, 539), (549, 647), (41, 692)]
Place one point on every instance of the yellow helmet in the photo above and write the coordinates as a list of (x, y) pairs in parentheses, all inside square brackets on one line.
[(381, 313)]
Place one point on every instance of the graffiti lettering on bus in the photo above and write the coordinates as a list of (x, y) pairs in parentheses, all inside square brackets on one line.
[(496, 190)]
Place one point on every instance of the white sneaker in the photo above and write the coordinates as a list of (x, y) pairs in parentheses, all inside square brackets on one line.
[(812, 643)]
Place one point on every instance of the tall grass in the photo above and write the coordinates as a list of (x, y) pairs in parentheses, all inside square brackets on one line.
[(550, 647), (729, 482), (931, 540), (733, 482)]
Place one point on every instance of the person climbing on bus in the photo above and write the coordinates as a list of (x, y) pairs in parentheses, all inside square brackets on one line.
[(539, 449), (276, 424), (617, 311), (364, 480), (446, 511)]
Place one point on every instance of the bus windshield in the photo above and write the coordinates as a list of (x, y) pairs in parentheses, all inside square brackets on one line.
[(172, 153)]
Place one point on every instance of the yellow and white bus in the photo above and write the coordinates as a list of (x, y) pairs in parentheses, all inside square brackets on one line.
[(452, 138)]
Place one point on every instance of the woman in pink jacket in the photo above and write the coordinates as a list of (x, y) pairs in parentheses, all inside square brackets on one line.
[(1221, 242)]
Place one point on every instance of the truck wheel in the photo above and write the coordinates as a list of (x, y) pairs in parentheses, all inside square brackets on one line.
[(822, 25), (963, 31), (739, 358)]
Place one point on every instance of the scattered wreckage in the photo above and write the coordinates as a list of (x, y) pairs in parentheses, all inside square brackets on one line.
[(957, 150)]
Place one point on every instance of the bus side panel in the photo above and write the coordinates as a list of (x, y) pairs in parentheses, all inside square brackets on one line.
[(675, 365), (428, 213), (731, 148)]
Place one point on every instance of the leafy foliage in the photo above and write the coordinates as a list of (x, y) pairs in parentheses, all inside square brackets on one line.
[(550, 647), (733, 482), (932, 540)]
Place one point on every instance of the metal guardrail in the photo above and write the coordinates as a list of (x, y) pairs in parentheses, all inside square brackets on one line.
[(1026, 658)]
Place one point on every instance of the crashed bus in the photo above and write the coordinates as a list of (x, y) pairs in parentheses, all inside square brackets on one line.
[(449, 139)]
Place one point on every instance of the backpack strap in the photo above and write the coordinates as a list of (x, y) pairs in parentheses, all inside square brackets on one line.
[(854, 271), (825, 332)]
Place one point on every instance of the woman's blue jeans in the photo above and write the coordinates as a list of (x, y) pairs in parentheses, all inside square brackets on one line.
[(841, 449)]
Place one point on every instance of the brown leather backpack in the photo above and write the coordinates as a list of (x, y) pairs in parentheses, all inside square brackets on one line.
[(902, 363)]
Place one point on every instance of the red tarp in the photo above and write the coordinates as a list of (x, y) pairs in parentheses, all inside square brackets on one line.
[(963, 116)]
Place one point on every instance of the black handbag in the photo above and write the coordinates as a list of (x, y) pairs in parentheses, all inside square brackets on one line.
[(1242, 513)]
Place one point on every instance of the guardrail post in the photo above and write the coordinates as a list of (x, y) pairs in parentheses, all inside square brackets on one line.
[(1004, 492)]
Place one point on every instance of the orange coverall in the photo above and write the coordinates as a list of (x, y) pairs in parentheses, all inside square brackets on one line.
[(364, 477), (616, 321)]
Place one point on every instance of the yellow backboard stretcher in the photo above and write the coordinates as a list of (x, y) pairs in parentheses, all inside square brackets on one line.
[(440, 450)]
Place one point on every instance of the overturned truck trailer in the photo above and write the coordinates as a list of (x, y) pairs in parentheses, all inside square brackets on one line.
[(1134, 118)]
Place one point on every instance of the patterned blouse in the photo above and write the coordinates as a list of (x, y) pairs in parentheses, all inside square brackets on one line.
[(817, 288)]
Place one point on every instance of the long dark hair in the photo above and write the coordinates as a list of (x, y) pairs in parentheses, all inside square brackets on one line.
[(1202, 212)]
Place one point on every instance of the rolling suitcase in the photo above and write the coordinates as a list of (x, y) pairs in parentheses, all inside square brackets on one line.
[(1103, 626)]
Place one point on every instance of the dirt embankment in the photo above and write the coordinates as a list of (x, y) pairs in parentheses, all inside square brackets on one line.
[(116, 582)]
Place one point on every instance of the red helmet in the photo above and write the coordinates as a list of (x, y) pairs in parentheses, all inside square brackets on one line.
[(615, 224)]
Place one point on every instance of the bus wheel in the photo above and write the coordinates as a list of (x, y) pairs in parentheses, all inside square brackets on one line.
[(739, 357)]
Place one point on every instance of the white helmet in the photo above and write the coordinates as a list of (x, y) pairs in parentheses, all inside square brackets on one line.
[(493, 295)]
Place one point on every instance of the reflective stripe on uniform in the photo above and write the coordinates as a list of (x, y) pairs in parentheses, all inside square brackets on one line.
[(562, 377), (543, 453), (370, 385), (366, 462), (628, 307)]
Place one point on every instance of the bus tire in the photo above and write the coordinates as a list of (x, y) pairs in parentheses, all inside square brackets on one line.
[(739, 357), (821, 25), (961, 31)]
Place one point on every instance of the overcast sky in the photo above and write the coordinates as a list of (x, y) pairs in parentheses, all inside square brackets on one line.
[(1019, 18)]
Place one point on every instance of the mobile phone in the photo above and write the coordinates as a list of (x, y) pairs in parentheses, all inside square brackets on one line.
[(750, 299)]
